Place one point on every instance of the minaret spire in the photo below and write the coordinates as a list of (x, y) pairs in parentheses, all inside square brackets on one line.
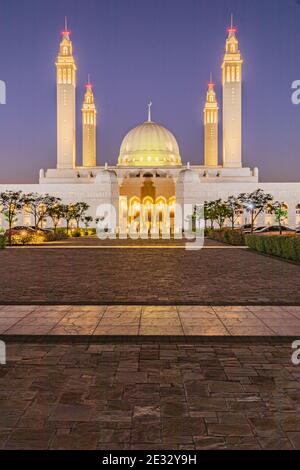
[(89, 123), (232, 68), (211, 119), (232, 29), (66, 102), (149, 111)]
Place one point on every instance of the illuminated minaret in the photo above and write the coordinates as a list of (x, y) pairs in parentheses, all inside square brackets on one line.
[(232, 101), (89, 117), (66, 103), (211, 119)]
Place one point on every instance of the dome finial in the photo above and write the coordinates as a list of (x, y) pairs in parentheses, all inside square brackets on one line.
[(149, 111)]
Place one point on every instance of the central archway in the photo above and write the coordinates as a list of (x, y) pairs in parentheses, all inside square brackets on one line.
[(150, 216)]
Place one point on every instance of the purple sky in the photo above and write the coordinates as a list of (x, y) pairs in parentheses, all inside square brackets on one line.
[(140, 49)]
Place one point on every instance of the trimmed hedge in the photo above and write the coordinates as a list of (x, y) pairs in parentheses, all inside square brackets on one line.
[(231, 237), (284, 246), (3, 241)]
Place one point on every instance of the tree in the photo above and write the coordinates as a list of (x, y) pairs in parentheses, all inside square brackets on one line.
[(56, 213), (255, 203), (205, 214), (234, 209), (80, 208), (69, 212), (38, 206), (87, 220), (199, 212), (210, 212), (11, 203), (221, 211), (280, 211)]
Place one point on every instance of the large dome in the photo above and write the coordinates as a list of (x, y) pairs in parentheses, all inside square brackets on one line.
[(149, 145)]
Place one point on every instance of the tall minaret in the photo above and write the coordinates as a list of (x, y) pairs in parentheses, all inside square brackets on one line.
[(89, 117), (66, 103), (232, 101), (211, 120)]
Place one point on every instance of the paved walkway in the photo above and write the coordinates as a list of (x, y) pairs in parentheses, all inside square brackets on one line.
[(182, 321), (150, 396), (222, 276)]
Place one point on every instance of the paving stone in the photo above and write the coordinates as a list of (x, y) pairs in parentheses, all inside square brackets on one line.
[(276, 443), (294, 438), (35, 439), (209, 443), (229, 429), (224, 387), (74, 412), (176, 428), (149, 433)]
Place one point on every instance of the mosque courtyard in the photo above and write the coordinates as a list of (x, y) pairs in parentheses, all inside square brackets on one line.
[(88, 271), (126, 345)]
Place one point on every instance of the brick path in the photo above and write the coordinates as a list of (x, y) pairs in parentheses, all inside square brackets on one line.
[(182, 321), (154, 396), (152, 277)]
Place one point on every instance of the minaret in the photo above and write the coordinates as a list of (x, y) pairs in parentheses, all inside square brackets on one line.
[(232, 101), (211, 120), (89, 117), (66, 103)]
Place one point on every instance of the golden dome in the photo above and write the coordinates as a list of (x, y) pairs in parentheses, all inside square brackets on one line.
[(151, 145)]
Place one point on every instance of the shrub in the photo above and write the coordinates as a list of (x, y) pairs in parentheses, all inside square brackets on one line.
[(53, 237), (82, 231), (76, 233), (3, 239), (229, 236), (287, 247), (207, 232), (29, 238)]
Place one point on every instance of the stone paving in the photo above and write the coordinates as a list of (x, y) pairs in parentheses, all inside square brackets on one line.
[(217, 275), (185, 321), (238, 395)]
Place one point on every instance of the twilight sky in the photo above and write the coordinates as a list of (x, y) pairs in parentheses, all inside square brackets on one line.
[(140, 49)]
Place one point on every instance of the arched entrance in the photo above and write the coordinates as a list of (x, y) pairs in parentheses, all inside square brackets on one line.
[(149, 216)]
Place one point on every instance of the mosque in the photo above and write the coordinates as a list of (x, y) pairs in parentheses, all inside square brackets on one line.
[(149, 176)]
